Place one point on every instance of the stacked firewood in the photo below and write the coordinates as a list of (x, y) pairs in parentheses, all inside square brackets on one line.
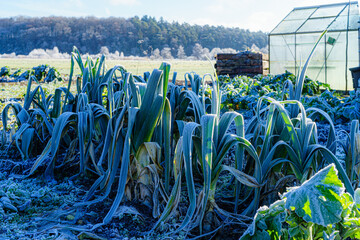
[(243, 63)]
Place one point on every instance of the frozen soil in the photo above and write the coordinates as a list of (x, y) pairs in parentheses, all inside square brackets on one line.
[(25, 201), (34, 208)]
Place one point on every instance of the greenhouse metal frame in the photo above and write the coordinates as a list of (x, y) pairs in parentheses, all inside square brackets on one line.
[(292, 40)]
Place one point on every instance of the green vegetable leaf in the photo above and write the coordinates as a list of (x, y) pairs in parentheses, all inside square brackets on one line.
[(357, 197), (318, 199), (267, 222)]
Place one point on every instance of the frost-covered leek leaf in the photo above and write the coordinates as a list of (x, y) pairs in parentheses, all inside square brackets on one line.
[(318, 199)]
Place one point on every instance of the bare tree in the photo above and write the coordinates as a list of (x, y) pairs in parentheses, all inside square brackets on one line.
[(216, 51), (181, 53), (200, 53), (155, 54), (166, 53), (104, 50)]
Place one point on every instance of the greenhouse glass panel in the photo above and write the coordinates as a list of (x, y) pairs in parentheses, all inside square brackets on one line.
[(282, 58), (288, 26), (328, 11), (300, 14), (336, 56), (354, 10), (316, 25), (353, 55), (336, 59), (304, 45), (340, 23), (330, 62)]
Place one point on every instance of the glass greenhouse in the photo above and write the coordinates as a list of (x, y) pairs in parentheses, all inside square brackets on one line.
[(293, 38)]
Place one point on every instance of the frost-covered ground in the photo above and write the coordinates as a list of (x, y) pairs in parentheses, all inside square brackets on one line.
[(35, 208), (24, 203)]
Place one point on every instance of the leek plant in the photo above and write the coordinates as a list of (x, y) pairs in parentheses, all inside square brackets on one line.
[(133, 143), (85, 123), (283, 141), (351, 148), (295, 92), (195, 82), (204, 145), (33, 124), (83, 113)]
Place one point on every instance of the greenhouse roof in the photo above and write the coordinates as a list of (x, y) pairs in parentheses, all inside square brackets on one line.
[(332, 17)]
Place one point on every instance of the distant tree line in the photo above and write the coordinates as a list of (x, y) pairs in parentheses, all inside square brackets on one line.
[(133, 36)]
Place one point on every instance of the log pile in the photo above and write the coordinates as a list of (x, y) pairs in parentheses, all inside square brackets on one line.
[(243, 63)]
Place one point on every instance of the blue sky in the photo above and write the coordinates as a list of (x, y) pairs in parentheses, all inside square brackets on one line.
[(248, 14)]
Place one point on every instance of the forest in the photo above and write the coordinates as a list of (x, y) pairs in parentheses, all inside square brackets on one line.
[(132, 36)]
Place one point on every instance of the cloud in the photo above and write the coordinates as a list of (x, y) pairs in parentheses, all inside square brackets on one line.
[(124, 2), (224, 6), (29, 9), (263, 20), (77, 3)]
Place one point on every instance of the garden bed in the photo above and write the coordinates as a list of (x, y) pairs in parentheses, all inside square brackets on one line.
[(115, 155)]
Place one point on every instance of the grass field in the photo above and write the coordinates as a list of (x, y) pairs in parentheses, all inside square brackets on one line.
[(137, 67), (16, 91)]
